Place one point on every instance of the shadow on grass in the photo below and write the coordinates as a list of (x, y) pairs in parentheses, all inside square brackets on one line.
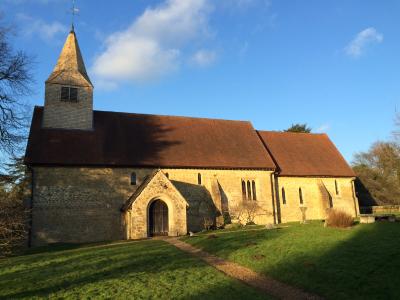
[(150, 269), (362, 262)]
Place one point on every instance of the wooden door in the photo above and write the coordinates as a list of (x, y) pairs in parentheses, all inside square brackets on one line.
[(158, 215)]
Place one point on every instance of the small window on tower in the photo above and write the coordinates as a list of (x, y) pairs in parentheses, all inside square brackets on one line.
[(64, 93), (133, 178), (69, 94), (73, 94)]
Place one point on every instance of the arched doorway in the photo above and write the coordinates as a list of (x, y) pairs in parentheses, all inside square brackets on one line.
[(158, 218)]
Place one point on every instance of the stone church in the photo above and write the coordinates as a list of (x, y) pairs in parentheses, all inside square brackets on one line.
[(101, 175)]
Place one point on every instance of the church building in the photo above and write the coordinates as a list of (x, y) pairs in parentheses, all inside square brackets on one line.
[(102, 176)]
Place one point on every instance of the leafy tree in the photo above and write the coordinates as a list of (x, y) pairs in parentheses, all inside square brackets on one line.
[(299, 128), (15, 81)]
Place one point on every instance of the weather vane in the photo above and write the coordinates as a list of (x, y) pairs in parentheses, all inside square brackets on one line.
[(74, 12)]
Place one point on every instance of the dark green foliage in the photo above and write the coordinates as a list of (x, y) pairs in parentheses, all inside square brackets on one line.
[(299, 128)]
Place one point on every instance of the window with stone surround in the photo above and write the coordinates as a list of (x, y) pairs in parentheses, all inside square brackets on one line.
[(283, 196), (133, 178), (249, 190), (301, 196), (253, 186), (69, 94), (243, 190), (336, 188)]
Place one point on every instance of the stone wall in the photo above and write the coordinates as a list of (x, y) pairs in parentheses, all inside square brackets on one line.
[(318, 195), (71, 115), (83, 204), (78, 204), (220, 191)]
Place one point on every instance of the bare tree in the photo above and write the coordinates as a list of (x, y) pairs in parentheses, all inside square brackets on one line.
[(246, 211), (396, 132), (15, 82)]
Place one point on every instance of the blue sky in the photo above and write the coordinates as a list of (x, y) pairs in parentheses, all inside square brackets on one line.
[(332, 64)]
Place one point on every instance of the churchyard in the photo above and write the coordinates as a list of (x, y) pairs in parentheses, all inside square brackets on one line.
[(361, 262)]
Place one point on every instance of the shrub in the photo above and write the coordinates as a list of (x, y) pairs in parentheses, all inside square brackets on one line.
[(338, 218)]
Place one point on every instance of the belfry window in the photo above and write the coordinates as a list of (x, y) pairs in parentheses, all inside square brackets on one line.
[(133, 178), (69, 94)]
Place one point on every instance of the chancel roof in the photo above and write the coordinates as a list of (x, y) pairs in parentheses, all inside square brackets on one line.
[(305, 154)]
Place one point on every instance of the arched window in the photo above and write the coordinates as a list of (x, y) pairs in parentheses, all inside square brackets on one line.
[(283, 196), (336, 188), (133, 178), (248, 190), (301, 196), (253, 185), (243, 190), (199, 178)]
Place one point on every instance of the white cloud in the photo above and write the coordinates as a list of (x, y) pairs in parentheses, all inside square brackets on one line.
[(357, 46), (323, 128), (204, 58), (41, 29), (155, 43)]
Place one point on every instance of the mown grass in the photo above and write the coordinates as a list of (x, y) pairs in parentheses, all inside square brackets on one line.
[(133, 270), (358, 263)]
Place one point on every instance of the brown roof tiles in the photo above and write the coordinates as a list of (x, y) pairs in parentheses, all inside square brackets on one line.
[(305, 154), (123, 139)]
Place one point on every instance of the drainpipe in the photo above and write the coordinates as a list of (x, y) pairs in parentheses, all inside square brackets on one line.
[(274, 204), (356, 207), (30, 169)]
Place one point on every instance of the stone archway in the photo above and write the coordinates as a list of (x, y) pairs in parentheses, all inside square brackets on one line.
[(158, 218), (137, 209)]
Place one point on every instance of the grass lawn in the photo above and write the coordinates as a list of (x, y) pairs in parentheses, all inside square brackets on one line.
[(139, 270), (362, 262)]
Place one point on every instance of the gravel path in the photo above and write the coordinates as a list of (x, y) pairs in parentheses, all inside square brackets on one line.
[(268, 285)]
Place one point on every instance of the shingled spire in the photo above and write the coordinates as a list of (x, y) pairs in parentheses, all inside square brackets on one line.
[(70, 66), (69, 91)]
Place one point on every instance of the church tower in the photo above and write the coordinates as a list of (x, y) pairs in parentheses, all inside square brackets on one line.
[(69, 91)]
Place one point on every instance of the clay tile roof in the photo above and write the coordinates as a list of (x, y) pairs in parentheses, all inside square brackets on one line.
[(305, 154), (123, 139)]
